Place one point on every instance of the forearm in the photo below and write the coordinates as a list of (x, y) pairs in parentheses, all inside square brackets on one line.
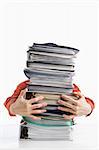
[(8, 103), (10, 100), (91, 103)]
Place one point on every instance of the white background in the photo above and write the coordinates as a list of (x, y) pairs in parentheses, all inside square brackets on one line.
[(70, 23)]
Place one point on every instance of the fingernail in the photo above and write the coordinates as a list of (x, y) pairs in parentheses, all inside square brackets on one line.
[(38, 118), (59, 107), (59, 101), (75, 92), (45, 104), (43, 110), (63, 95), (41, 97), (35, 99)]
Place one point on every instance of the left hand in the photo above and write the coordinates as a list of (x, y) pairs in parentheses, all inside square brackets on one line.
[(78, 107)]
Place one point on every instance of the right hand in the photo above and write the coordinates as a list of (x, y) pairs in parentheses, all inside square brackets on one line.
[(25, 107)]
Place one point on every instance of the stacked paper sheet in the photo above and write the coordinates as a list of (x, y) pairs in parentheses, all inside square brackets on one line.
[(39, 132), (50, 70)]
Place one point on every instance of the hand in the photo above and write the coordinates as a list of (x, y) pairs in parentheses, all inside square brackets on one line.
[(78, 107), (25, 107)]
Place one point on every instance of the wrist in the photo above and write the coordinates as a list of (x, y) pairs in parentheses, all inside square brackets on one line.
[(89, 110), (12, 109)]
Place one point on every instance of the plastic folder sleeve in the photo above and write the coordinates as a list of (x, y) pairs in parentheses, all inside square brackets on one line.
[(10, 100)]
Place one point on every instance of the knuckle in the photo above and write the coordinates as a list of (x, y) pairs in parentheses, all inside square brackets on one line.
[(28, 102), (69, 118), (21, 98), (35, 111), (40, 111), (76, 103), (35, 106), (61, 108), (33, 118), (76, 108), (76, 113), (28, 109), (33, 100), (28, 112), (66, 117), (39, 105), (28, 106)]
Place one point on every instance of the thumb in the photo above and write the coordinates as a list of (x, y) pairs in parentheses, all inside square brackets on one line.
[(78, 94), (22, 93)]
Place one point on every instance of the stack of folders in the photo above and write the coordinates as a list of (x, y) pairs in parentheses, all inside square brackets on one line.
[(38, 132), (50, 70)]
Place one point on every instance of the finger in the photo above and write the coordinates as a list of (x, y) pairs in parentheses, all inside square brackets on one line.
[(34, 117), (74, 96), (33, 100), (40, 105), (66, 117), (70, 99), (38, 111), (79, 94), (64, 103), (22, 93), (67, 110)]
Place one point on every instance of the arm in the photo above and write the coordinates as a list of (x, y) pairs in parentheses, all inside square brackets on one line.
[(10, 100), (88, 100), (17, 105)]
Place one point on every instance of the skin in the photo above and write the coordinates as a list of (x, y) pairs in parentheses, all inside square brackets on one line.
[(78, 107), (23, 107)]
